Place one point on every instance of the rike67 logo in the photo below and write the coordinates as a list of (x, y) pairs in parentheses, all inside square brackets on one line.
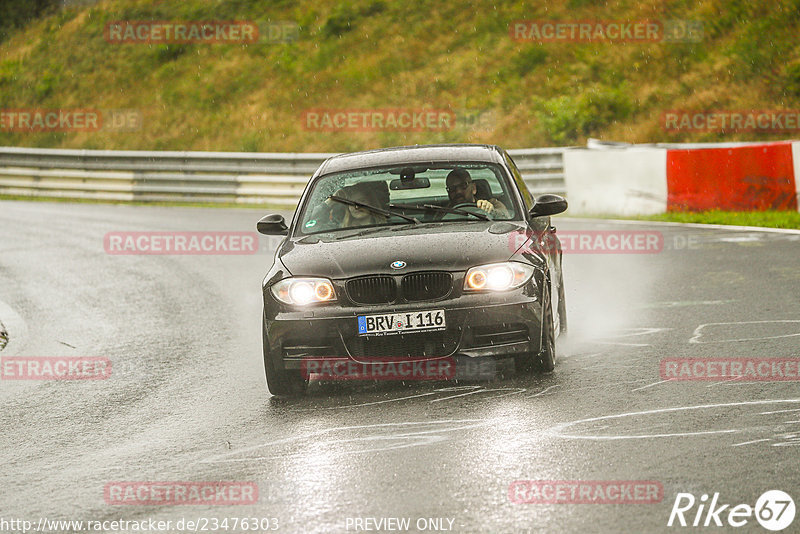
[(774, 510)]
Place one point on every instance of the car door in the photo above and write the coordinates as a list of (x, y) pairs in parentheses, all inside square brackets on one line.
[(544, 232)]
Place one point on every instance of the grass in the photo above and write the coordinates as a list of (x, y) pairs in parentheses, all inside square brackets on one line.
[(366, 54), (260, 207), (769, 219)]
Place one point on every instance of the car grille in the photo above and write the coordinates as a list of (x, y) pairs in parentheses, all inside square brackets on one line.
[(417, 345), (414, 287), (372, 290), (307, 347), (426, 286), (498, 334)]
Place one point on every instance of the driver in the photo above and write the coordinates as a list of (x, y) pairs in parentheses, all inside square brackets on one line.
[(461, 190)]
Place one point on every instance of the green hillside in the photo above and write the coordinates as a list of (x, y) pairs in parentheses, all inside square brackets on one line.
[(371, 54)]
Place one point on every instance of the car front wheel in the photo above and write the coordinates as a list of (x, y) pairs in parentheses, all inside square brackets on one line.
[(545, 360), (281, 382)]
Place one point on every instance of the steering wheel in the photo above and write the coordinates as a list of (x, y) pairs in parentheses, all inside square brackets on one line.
[(466, 206)]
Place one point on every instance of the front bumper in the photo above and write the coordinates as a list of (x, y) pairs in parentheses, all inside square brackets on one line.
[(478, 325)]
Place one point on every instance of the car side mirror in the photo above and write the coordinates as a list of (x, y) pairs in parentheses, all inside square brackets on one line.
[(548, 205), (272, 225)]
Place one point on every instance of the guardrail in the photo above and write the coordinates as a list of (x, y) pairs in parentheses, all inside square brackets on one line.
[(237, 177)]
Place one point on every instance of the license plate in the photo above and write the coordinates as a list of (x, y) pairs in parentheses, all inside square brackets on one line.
[(400, 323)]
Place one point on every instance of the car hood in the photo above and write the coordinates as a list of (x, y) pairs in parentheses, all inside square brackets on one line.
[(439, 246)]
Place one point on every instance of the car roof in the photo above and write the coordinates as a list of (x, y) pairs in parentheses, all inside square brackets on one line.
[(411, 155)]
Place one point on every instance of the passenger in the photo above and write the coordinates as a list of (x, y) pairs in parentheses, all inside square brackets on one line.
[(334, 214), (356, 216), (461, 190)]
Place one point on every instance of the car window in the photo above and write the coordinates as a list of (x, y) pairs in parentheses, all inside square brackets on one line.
[(382, 188), (527, 198)]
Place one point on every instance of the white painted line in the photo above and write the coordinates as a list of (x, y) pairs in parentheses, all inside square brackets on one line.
[(734, 379), (790, 422), (653, 384), (427, 437), (337, 429), (558, 430), (604, 386), (545, 391), (461, 395), (684, 303), (365, 403), (684, 225), (755, 382), (749, 442), (698, 332), (624, 344), (780, 411)]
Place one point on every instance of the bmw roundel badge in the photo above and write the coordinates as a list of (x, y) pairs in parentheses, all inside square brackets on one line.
[(398, 264)]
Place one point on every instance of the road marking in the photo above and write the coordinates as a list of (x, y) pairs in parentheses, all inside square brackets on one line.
[(698, 332), (653, 384), (365, 403), (780, 411), (683, 303), (733, 228), (624, 344), (634, 332), (545, 390), (735, 378), (749, 442), (513, 390), (559, 430), (428, 437)]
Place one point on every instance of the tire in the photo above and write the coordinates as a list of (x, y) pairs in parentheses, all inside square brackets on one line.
[(545, 360), (562, 307), (280, 382)]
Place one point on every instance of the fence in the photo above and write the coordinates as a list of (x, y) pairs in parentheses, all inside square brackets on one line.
[(237, 177)]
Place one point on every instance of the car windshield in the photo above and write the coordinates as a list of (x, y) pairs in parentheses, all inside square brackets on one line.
[(407, 195)]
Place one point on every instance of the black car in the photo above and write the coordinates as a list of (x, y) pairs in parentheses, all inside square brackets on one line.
[(411, 254)]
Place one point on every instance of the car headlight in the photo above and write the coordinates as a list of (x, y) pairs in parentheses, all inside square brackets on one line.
[(497, 276), (302, 291)]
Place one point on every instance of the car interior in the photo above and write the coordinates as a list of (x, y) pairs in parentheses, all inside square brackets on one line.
[(400, 188)]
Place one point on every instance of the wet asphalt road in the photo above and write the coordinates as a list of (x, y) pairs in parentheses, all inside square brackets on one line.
[(187, 400)]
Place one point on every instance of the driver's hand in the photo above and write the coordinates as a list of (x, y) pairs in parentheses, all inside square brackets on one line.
[(485, 205)]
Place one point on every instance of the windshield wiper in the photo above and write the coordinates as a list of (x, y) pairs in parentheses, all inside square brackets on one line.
[(373, 209), (376, 229), (434, 207)]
